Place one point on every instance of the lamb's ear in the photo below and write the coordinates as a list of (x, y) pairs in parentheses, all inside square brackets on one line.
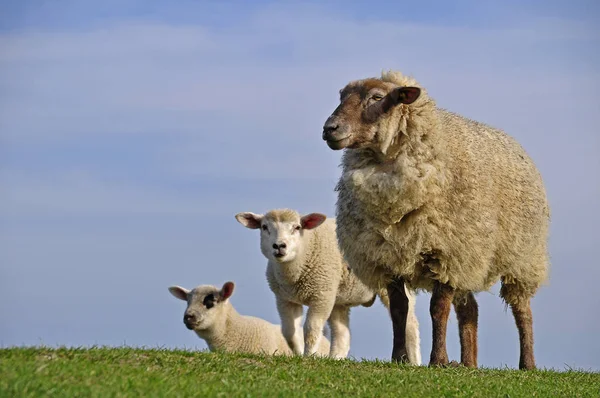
[(249, 220), (227, 290), (179, 292), (312, 220), (405, 95)]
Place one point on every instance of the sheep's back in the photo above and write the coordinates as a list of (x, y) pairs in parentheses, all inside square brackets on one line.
[(472, 209)]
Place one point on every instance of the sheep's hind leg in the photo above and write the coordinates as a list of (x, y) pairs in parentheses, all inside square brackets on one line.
[(340, 332), (398, 313), (524, 321), (521, 309), (467, 313), (439, 308)]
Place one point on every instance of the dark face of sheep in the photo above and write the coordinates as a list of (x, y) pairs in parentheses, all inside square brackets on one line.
[(363, 105)]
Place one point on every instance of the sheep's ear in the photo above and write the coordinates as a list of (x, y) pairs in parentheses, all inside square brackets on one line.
[(312, 220), (227, 290), (180, 292), (405, 95), (249, 220)]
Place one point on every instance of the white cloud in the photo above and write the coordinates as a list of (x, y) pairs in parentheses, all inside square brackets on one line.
[(281, 67)]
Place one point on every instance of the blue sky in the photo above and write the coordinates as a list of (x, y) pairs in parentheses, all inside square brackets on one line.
[(131, 132)]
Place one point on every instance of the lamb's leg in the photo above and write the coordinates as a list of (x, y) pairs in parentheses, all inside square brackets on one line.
[(316, 316), (439, 308), (524, 321), (413, 337), (291, 324), (467, 314), (339, 322), (398, 313)]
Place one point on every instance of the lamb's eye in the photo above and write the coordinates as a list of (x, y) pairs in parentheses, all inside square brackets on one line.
[(264, 227), (377, 97), (297, 228), (209, 301)]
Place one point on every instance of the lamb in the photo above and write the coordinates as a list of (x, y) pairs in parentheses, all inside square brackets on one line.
[(210, 314), (305, 267), (441, 203)]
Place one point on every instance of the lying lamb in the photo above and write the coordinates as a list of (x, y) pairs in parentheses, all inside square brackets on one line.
[(210, 314), (305, 267)]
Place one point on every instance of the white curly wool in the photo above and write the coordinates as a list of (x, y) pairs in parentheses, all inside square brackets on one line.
[(429, 196)]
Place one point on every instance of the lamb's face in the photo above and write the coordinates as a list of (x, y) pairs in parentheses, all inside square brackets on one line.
[(364, 107), (280, 240), (281, 231), (205, 304)]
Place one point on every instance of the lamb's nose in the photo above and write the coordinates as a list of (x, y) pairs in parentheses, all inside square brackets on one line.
[(189, 318), (279, 246)]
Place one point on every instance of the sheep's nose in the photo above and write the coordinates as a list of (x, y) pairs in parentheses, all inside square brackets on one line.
[(329, 128), (279, 246)]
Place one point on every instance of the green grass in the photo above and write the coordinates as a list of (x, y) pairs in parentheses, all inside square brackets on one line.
[(117, 372)]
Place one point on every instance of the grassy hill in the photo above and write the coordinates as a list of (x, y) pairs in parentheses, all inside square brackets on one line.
[(103, 372)]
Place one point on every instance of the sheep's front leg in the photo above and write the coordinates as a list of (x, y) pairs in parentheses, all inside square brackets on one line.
[(398, 313), (291, 324), (339, 322), (316, 316), (439, 308), (467, 314)]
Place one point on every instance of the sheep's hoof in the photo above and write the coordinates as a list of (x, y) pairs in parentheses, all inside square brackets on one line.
[(400, 356), (445, 364), (527, 366)]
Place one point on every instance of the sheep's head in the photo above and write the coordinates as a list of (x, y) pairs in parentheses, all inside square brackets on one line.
[(281, 231), (365, 106), (205, 304)]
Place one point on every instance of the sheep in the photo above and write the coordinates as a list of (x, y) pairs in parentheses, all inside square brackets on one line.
[(210, 314), (442, 203), (305, 267)]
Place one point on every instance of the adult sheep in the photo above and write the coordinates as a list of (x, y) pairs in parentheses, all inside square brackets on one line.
[(440, 202)]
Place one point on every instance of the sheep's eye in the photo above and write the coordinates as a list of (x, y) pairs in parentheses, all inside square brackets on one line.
[(297, 228), (377, 97), (264, 227), (209, 301)]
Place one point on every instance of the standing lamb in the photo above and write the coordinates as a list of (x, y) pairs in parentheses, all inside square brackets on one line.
[(441, 203), (305, 267), (210, 314)]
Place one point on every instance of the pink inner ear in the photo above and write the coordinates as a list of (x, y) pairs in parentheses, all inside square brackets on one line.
[(312, 221), (252, 222), (227, 290), (412, 93)]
